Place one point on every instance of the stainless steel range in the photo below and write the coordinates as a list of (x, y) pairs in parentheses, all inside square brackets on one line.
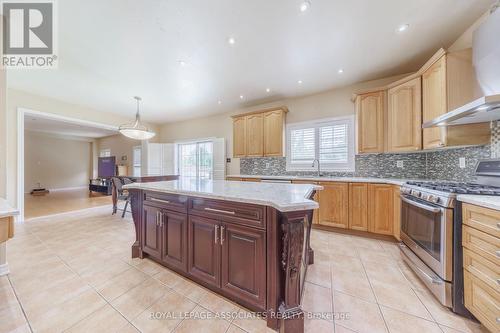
[(431, 230)]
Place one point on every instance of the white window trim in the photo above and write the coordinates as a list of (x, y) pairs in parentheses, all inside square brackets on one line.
[(330, 167), (107, 152)]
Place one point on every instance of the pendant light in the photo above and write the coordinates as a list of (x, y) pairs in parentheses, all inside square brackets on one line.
[(136, 130)]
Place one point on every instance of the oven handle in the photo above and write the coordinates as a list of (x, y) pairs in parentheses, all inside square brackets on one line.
[(420, 205)]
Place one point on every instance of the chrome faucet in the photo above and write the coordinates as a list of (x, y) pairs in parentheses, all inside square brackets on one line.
[(319, 167)]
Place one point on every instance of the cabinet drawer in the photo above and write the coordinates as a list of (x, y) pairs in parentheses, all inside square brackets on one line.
[(241, 213), (484, 219), (482, 268), (167, 201), (481, 243), (483, 301)]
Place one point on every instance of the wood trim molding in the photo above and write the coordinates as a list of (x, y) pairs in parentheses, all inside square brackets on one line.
[(282, 108)]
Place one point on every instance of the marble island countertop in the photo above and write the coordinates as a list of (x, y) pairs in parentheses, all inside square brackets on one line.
[(393, 181), (487, 201), (283, 197), (6, 209)]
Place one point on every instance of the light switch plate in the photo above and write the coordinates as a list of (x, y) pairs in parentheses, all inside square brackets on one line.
[(461, 162), (400, 164)]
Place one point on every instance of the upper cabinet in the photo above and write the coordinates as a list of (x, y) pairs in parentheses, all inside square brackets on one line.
[(404, 117), (255, 135), (449, 82), (239, 141), (370, 110), (274, 137), (259, 133)]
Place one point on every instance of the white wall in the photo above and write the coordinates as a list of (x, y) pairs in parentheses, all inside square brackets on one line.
[(20, 99), (332, 103), (120, 146), (56, 162)]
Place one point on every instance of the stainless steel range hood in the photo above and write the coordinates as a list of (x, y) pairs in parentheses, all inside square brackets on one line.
[(481, 110), (486, 58)]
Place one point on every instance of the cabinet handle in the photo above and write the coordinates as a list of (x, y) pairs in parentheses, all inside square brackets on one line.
[(219, 211), (222, 234), (160, 200), (216, 234), (162, 217)]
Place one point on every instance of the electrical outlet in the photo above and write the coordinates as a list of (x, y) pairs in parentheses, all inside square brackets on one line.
[(400, 164), (461, 162), (268, 165)]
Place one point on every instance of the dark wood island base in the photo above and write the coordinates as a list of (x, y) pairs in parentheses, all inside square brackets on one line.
[(254, 255)]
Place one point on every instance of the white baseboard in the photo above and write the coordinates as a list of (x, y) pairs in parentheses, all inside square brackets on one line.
[(68, 188), (4, 269)]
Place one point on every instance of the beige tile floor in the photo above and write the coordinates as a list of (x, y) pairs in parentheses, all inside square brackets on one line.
[(73, 273)]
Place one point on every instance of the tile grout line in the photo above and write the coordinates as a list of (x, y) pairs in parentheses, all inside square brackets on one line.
[(88, 284), (374, 294), (19, 303)]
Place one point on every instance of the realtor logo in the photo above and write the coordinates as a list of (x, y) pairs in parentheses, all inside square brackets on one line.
[(28, 34)]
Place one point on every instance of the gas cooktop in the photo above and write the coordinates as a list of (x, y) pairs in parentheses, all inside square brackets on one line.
[(458, 188)]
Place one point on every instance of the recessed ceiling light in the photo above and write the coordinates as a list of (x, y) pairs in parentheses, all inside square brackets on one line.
[(182, 63), (219, 102), (231, 40), (268, 90), (241, 96), (299, 81), (305, 6), (340, 71), (403, 27)]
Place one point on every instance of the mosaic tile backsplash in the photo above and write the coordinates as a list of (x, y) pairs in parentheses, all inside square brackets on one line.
[(442, 164)]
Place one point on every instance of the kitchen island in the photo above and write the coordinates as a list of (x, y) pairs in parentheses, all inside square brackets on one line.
[(248, 242)]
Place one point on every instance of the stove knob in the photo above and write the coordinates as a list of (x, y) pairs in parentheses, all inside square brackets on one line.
[(425, 196), (433, 198), (416, 193)]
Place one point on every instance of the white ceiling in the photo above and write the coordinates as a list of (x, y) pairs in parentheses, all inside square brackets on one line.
[(111, 50), (64, 128)]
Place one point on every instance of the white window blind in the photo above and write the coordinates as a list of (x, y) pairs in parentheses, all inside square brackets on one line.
[(137, 159), (331, 141)]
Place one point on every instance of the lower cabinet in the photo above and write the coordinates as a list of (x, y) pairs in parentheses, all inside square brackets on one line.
[(381, 209), (174, 239), (333, 204), (358, 206), (151, 233), (315, 218), (244, 263), (228, 256), (204, 249)]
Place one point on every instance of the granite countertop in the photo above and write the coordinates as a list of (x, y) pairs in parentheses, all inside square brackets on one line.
[(283, 197), (6, 209), (487, 201), (393, 181)]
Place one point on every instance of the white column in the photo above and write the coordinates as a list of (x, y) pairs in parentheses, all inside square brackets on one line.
[(4, 267)]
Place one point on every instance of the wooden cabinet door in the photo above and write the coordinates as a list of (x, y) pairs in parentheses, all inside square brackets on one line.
[(151, 232), (380, 209), (358, 206), (204, 249), (315, 218), (244, 263), (239, 140), (404, 117), (174, 240), (333, 204), (254, 135), (434, 102), (273, 133), (370, 122)]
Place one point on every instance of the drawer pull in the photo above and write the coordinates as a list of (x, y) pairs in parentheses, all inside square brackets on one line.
[(221, 234), (160, 200), (220, 211)]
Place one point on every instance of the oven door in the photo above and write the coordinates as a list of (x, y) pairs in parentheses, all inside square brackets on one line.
[(427, 230)]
